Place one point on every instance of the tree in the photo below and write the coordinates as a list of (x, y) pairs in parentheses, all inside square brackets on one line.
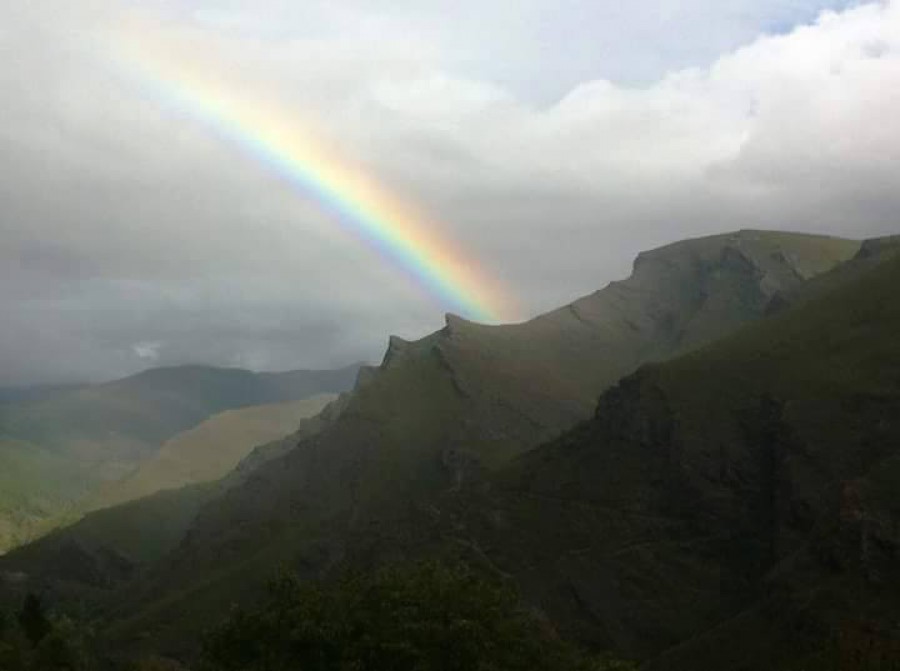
[(63, 648), (33, 620), (424, 617)]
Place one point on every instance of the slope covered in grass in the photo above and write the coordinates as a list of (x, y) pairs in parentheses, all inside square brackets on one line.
[(58, 447), (209, 450)]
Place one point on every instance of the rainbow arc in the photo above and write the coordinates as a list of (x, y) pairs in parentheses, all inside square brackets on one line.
[(272, 136)]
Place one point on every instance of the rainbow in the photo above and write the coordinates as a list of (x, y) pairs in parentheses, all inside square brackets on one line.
[(273, 137)]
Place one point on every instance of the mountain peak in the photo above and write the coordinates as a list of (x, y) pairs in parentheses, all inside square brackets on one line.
[(397, 346), (454, 324)]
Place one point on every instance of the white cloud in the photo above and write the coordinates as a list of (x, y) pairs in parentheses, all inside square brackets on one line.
[(146, 350)]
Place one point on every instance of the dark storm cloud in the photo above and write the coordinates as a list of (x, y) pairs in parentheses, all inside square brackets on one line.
[(551, 141)]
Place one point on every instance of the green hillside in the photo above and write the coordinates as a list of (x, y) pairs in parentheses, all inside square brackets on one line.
[(34, 485), (150, 407), (56, 448), (208, 451), (111, 545)]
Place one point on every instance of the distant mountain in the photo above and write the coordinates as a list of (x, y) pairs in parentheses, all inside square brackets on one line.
[(33, 393), (152, 406), (446, 409), (210, 450), (112, 545), (55, 449)]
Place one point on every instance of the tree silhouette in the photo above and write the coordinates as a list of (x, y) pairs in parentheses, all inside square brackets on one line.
[(33, 620), (424, 617)]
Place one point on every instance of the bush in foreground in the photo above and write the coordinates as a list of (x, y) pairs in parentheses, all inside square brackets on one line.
[(426, 617)]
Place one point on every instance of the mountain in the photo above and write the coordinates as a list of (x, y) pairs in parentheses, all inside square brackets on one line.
[(33, 393), (210, 450), (736, 469), (735, 508), (56, 448), (111, 545), (150, 407), (466, 399)]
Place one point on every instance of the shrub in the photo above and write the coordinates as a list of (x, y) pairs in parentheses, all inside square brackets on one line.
[(424, 617)]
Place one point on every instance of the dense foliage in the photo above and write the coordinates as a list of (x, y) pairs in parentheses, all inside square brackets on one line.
[(427, 617), (32, 640)]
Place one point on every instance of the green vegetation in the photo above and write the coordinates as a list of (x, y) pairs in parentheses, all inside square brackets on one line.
[(60, 446), (414, 617), (33, 640), (35, 484), (107, 545), (210, 450), (425, 617)]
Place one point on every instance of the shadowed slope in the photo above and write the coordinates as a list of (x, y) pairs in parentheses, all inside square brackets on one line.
[(738, 503)]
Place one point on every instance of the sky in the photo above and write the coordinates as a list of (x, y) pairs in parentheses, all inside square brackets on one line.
[(545, 143)]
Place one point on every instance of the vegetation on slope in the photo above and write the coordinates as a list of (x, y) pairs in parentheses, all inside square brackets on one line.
[(729, 509), (210, 450), (31, 639), (57, 446), (410, 617), (111, 545), (424, 617)]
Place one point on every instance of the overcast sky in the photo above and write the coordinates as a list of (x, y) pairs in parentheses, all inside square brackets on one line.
[(549, 140)]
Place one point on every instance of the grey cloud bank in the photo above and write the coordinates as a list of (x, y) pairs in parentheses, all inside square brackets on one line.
[(133, 235)]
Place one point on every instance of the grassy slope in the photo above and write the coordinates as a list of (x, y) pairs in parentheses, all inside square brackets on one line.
[(209, 450), (34, 484), (56, 449), (107, 546), (150, 407)]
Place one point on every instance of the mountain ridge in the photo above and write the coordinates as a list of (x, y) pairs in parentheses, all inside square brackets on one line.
[(464, 444), (466, 398), (706, 511)]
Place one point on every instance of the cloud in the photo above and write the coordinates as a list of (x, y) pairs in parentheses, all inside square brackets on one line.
[(147, 351), (125, 222)]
